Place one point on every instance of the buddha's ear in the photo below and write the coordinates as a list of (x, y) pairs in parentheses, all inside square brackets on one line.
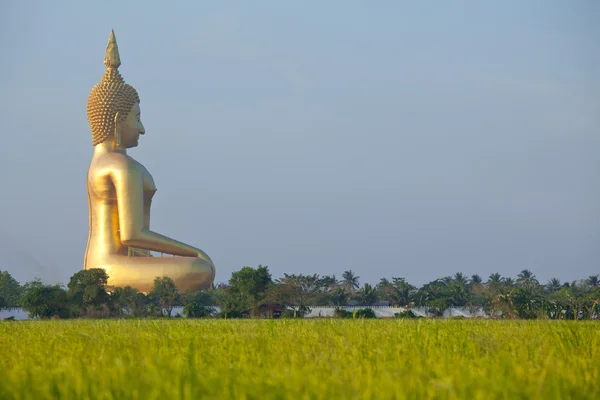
[(117, 131)]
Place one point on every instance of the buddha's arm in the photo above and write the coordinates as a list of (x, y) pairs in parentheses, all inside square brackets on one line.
[(133, 232)]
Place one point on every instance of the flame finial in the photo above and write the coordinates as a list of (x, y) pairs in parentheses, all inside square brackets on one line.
[(112, 59)]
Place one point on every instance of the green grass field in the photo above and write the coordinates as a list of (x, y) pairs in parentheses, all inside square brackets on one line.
[(296, 359)]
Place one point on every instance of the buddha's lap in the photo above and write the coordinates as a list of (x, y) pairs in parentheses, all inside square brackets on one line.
[(140, 272), (118, 262)]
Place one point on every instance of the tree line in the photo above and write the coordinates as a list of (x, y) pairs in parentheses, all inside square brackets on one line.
[(252, 292)]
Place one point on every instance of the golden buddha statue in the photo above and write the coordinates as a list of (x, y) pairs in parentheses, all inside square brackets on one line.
[(120, 193)]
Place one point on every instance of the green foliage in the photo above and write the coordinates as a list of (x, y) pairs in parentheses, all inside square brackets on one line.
[(350, 280), (297, 291), (232, 303), (198, 304), (362, 313), (247, 289), (164, 294), (10, 291), (87, 290), (527, 278), (252, 292), (338, 297), (231, 314), (129, 301), (45, 301), (528, 301), (291, 314), (553, 285), (251, 281), (406, 315), (367, 295)]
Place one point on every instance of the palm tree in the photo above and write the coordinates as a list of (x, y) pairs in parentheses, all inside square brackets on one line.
[(445, 280), (403, 293), (456, 293), (383, 283), (553, 285), (350, 280), (526, 278), (509, 282), (367, 295), (593, 281), (495, 279), (527, 302), (459, 277)]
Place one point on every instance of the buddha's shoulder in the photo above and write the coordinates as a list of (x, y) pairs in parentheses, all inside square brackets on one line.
[(114, 162)]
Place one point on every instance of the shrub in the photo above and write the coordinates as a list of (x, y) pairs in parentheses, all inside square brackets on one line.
[(357, 313), (231, 314), (406, 315), (290, 314)]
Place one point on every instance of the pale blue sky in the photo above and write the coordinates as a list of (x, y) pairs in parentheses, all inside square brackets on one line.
[(392, 138)]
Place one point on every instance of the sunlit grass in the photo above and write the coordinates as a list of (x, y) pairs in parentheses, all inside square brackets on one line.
[(257, 359)]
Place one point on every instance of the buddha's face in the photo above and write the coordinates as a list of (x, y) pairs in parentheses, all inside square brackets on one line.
[(131, 128)]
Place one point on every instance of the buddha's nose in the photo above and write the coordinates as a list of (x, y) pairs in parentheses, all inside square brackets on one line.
[(142, 131)]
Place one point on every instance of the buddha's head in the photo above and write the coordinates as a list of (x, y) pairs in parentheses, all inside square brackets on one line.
[(113, 107)]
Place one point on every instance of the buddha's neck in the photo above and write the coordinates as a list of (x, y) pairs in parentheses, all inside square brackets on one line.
[(108, 146)]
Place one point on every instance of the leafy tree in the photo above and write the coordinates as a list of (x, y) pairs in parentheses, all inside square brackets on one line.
[(476, 280), (350, 281), (45, 301), (433, 295), (367, 295), (339, 297), (232, 303), (197, 304), (164, 294), (328, 283), (10, 290), (297, 291), (87, 288), (130, 301), (249, 286)]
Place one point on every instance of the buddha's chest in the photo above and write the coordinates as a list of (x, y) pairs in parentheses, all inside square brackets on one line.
[(148, 184)]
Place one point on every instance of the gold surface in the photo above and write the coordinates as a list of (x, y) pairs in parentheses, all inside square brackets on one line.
[(120, 192)]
